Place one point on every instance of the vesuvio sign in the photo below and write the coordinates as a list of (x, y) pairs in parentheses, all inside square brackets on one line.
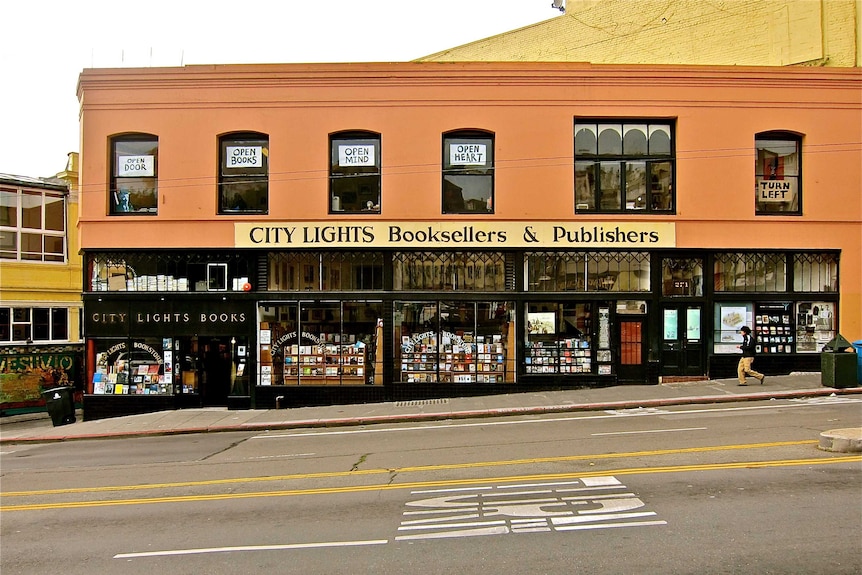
[(461, 234)]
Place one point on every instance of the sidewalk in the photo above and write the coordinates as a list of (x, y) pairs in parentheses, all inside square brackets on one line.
[(37, 427)]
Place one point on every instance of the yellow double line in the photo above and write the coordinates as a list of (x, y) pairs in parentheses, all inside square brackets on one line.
[(424, 484)]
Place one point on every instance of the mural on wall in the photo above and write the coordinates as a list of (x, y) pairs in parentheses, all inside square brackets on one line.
[(23, 377)]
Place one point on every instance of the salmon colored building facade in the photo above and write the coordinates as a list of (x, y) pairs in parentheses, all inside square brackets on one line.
[(269, 235)]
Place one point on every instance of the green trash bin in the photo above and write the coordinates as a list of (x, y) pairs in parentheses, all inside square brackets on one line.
[(837, 366), (60, 403)]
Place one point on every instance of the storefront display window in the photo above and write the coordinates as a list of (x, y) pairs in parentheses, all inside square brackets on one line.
[(559, 338), (773, 328), (729, 318), (454, 342), (136, 367), (320, 343), (815, 325)]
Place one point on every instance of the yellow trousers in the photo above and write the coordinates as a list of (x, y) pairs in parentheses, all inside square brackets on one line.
[(744, 368)]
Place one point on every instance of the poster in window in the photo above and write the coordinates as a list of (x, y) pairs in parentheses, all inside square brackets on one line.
[(358, 155), (467, 154), (541, 322), (136, 166), (237, 157)]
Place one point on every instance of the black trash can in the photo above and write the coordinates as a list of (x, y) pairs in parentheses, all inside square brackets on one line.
[(837, 367), (60, 403)]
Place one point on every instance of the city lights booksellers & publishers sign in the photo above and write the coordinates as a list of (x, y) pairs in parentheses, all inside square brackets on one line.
[(455, 235)]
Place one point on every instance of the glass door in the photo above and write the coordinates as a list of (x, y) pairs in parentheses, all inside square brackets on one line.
[(682, 340)]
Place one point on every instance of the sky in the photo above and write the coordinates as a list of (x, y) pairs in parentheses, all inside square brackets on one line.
[(46, 44)]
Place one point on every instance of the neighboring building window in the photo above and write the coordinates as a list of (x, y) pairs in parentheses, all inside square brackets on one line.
[(34, 324), (777, 172), (354, 173), (468, 173), (624, 167), (243, 173), (134, 175), (32, 225)]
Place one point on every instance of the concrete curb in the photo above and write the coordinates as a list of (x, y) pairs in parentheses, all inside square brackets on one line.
[(842, 440), (441, 416)]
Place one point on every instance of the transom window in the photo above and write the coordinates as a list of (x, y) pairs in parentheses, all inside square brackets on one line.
[(777, 173), (451, 271), (468, 173), (32, 224), (354, 173), (580, 271), (327, 271), (134, 175), (749, 272), (815, 272), (243, 173), (624, 166)]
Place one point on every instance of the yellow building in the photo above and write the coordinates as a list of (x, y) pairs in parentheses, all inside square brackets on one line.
[(739, 32), (40, 285)]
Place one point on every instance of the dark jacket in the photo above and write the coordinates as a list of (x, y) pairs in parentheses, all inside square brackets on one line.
[(747, 345)]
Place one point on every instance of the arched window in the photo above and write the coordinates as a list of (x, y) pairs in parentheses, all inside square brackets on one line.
[(243, 183), (468, 172), (777, 173), (624, 166), (354, 172), (134, 175)]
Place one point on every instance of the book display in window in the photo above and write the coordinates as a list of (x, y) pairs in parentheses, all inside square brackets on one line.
[(558, 356), (773, 328), (120, 379), (455, 362)]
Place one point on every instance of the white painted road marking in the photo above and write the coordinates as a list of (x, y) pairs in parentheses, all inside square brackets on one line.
[(426, 426), (289, 546), (650, 431), (526, 508)]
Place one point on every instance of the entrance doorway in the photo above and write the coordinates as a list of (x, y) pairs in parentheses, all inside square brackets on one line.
[(215, 362), (632, 338), (682, 340)]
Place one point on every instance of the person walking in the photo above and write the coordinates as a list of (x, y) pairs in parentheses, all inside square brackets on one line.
[(748, 353)]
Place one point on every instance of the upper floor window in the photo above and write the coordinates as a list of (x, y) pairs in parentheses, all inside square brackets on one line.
[(32, 225), (777, 172), (354, 173), (134, 174), (243, 173), (624, 166), (468, 173), (42, 324)]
